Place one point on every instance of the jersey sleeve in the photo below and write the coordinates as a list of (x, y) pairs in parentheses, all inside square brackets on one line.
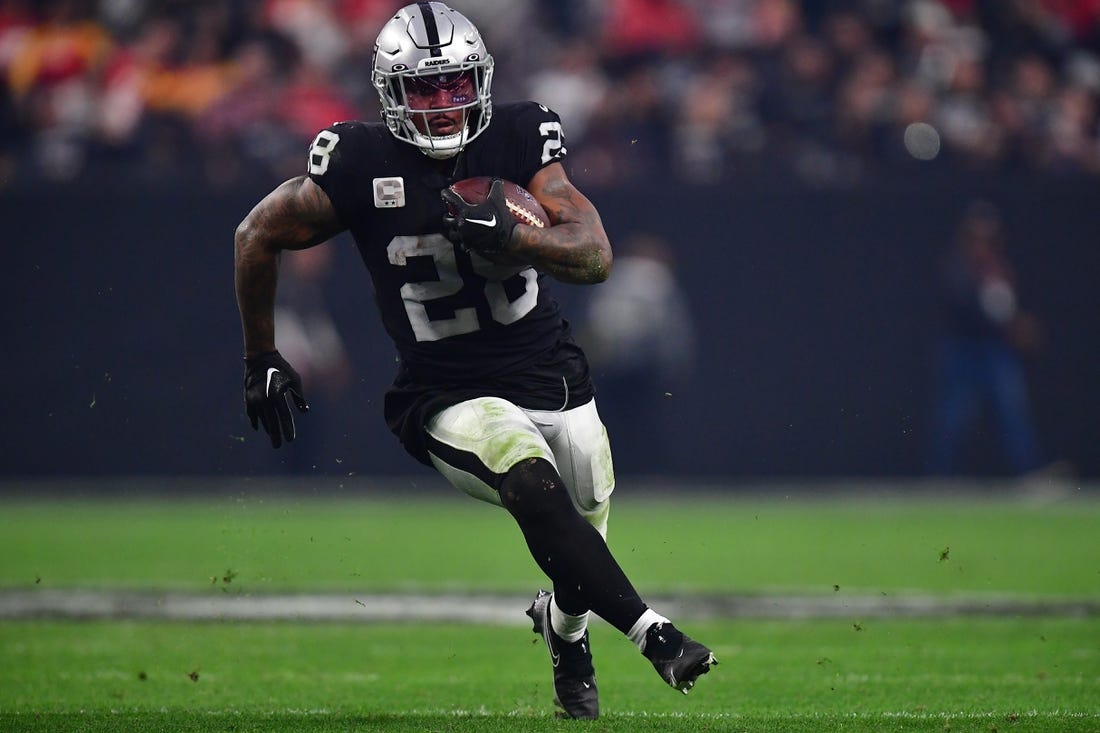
[(331, 165), (540, 138)]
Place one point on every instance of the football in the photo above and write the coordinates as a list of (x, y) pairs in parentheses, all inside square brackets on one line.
[(525, 208)]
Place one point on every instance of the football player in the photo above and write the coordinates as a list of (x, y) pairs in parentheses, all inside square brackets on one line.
[(491, 389)]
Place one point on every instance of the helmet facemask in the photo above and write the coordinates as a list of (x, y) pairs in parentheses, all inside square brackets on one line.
[(429, 64)]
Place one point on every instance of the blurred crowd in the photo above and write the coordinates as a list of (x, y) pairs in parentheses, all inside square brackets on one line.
[(824, 91)]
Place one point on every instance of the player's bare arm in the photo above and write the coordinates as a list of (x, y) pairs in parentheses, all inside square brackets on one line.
[(575, 248), (296, 215)]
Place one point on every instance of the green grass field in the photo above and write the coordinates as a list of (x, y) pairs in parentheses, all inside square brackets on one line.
[(1009, 672)]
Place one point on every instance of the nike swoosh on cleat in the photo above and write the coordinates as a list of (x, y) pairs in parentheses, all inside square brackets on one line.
[(485, 222), (554, 656)]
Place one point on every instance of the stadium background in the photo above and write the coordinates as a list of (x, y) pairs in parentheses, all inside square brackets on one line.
[(806, 233)]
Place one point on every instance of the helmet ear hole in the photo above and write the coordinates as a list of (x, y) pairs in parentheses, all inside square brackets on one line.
[(426, 46)]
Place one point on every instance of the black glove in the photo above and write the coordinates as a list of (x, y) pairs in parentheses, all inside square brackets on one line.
[(267, 380), (485, 227)]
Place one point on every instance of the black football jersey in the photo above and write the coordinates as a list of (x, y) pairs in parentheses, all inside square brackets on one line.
[(463, 326), (451, 314)]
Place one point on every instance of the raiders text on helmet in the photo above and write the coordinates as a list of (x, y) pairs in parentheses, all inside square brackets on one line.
[(428, 50)]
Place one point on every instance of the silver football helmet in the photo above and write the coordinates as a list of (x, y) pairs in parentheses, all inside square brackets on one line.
[(430, 60)]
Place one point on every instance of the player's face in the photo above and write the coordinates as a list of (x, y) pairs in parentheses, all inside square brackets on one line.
[(434, 99)]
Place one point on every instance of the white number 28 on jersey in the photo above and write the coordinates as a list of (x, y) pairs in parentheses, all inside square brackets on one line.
[(448, 281)]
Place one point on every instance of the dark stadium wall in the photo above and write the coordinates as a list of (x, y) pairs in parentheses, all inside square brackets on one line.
[(815, 310)]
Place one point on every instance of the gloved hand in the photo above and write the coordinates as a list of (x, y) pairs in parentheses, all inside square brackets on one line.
[(267, 380), (485, 227)]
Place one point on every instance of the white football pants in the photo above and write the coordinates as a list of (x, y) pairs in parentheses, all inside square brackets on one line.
[(486, 436)]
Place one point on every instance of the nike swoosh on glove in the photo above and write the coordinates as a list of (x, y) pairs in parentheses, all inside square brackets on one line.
[(268, 379), (485, 227)]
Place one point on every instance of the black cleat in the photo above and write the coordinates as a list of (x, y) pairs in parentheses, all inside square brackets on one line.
[(574, 677), (676, 657)]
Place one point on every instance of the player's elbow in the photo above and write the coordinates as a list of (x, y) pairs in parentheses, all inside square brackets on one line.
[(245, 233), (600, 256), (592, 268), (249, 239), (601, 269)]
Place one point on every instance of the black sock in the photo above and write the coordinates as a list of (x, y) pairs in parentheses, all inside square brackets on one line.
[(567, 548)]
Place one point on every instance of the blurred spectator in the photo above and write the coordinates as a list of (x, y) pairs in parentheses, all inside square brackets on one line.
[(965, 116), (985, 334), (359, 17), (277, 102), (309, 102), (775, 23), (307, 333), (65, 45), (51, 75), (239, 125), (1071, 139), (131, 82), (799, 102), (15, 23), (10, 140), (639, 334), (850, 36), (865, 104), (647, 29), (1025, 108), (574, 85), (710, 89), (314, 27), (720, 120), (628, 134), (566, 17)]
